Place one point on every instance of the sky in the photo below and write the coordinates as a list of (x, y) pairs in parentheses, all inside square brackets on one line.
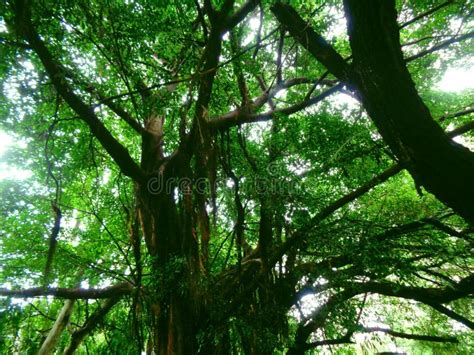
[(455, 80)]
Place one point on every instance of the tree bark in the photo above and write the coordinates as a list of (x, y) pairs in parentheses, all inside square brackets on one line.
[(388, 93), (79, 335), (59, 325), (380, 77)]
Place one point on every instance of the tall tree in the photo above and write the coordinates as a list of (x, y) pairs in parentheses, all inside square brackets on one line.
[(228, 177)]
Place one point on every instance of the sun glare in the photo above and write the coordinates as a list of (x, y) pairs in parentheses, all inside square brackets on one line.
[(8, 171), (457, 79)]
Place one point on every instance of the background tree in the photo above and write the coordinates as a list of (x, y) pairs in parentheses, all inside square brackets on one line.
[(205, 177)]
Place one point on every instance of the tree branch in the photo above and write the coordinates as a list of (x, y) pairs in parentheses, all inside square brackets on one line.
[(58, 77), (313, 42), (53, 242), (59, 325), (315, 321), (379, 71), (440, 46), (327, 211), (462, 129), (123, 288), (92, 322), (426, 13), (453, 315), (425, 295), (394, 333), (377, 180), (241, 13), (242, 116), (457, 114), (120, 112)]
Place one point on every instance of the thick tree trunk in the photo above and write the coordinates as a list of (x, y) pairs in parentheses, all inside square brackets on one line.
[(380, 77), (175, 266), (442, 166)]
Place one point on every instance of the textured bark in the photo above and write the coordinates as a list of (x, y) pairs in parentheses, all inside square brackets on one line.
[(380, 77), (442, 166), (174, 250), (59, 325)]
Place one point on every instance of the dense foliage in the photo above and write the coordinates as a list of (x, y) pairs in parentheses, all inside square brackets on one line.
[(201, 177)]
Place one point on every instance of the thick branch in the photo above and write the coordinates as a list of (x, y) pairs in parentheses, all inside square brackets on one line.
[(315, 321), (457, 114), (425, 295), (453, 315), (58, 77), (120, 289), (383, 82), (313, 42), (59, 325), (241, 13), (388, 93), (430, 296)]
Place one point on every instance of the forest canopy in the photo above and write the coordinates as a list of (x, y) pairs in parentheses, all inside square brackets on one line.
[(236, 177)]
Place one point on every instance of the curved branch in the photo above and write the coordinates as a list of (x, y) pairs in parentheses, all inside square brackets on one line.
[(426, 13), (241, 116), (123, 288), (440, 46), (425, 295), (429, 296), (92, 322)]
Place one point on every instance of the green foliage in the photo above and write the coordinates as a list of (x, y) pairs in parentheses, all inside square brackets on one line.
[(292, 167)]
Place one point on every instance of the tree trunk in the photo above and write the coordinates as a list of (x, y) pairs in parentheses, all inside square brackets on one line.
[(388, 93), (382, 81), (173, 247)]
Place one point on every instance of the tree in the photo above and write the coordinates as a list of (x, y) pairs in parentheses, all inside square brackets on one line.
[(197, 188)]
